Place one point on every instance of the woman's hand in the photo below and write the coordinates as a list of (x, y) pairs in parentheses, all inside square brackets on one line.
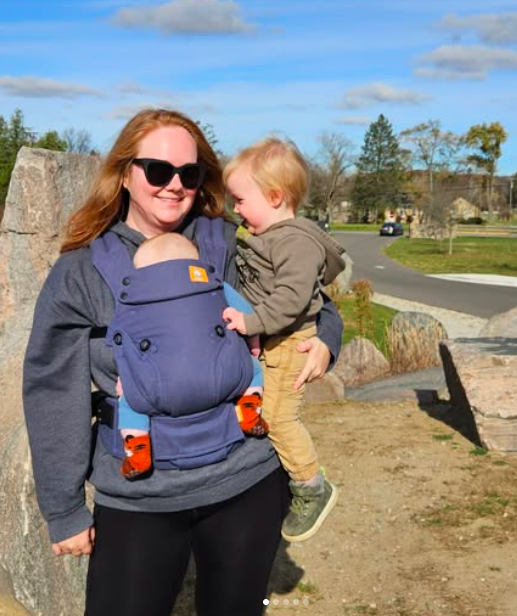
[(318, 360), (77, 545)]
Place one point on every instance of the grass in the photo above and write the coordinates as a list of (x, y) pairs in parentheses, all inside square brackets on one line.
[(479, 451), (471, 255), (382, 318), (345, 226), (443, 437)]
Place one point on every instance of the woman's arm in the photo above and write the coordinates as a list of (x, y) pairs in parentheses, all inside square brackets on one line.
[(57, 402), (322, 350)]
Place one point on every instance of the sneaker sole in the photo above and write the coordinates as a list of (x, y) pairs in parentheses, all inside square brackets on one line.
[(316, 526)]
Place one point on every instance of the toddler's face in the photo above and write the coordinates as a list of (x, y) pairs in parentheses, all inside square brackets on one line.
[(249, 201)]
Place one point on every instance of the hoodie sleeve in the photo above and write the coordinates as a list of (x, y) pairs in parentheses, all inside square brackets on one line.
[(57, 400), (330, 329)]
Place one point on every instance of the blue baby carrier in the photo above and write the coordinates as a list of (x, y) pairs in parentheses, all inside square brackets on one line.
[(177, 361)]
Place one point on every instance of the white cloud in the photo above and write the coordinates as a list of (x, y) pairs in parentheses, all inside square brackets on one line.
[(500, 28), (186, 17), (129, 88), (375, 93), (36, 87), (354, 121), (457, 62)]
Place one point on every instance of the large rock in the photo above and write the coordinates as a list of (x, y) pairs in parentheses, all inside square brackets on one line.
[(502, 325), (344, 279), (327, 389), (481, 377), (413, 339), (45, 188), (361, 362)]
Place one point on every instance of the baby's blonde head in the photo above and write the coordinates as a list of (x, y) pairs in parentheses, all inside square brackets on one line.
[(274, 165), (164, 247)]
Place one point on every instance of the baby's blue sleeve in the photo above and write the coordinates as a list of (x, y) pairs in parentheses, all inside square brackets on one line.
[(235, 300)]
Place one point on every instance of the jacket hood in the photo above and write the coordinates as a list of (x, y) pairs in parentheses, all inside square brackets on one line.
[(334, 262)]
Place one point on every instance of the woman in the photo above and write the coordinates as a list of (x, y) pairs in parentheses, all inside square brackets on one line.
[(228, 514)]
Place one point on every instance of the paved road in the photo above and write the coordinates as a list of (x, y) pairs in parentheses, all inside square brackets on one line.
[(390, 278)]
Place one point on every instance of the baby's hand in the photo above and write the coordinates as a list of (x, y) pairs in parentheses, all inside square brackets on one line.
[(235, 320), (120, 392), (254, 345)]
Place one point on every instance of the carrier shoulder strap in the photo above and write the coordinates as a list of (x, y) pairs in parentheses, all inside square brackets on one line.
[(111, 259), (211, 243)]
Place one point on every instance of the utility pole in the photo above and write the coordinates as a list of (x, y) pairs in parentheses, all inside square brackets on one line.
[(511, 195)]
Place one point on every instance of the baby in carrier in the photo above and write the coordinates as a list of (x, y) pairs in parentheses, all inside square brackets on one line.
[(134, 426)]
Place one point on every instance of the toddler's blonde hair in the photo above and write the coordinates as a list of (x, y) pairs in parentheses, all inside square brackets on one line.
[(274, 165)]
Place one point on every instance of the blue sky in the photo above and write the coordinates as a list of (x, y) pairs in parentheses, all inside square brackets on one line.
[(251, 67)]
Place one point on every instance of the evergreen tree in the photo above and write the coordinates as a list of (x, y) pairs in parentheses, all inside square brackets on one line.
[(51, 141), (380, 171), (13, 136), (5, 169)]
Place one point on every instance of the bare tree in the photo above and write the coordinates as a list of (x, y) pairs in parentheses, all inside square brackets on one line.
[(336, 155), (78, 141), (437, 151)]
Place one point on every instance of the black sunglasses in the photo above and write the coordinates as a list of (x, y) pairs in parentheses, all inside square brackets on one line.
[(161, 172)]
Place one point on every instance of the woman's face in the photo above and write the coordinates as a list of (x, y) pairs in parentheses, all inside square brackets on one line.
[(154, 210)]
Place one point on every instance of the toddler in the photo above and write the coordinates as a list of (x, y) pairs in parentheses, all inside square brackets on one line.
[(282, 263)]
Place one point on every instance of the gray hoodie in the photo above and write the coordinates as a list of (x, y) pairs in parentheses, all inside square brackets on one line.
[(62, 361)]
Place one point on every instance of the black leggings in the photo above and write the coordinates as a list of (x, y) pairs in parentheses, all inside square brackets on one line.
[(140, 559)]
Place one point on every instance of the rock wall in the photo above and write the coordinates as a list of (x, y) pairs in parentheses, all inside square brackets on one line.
[(45, 188)]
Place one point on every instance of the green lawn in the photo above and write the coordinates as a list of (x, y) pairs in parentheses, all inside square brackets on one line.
[(338, 226), (471, 255), (382, 317)]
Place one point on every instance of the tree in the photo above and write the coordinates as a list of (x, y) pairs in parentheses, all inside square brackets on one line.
[(51, 141), (13, 135), (380, 171), (209, 133), (436, 151), (487, 139), (78, 141), (328, 172)]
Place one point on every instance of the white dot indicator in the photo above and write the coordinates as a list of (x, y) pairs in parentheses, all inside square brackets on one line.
[(306, 601), (296, 602), (286, 601), (266, 602), (276, 601)]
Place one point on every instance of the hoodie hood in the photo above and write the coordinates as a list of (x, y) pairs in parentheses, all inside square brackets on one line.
[(334, 262), (132, 237)]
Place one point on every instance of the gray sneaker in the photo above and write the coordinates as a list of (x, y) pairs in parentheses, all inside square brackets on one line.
[(309, 508)]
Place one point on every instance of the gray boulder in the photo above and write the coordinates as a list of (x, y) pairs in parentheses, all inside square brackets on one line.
[(480, 375), (45, 188), (413, 340), (502, 325), (361, 362), (327, 389)]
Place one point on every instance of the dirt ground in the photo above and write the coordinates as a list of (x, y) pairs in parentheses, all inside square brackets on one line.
[(426, 523)]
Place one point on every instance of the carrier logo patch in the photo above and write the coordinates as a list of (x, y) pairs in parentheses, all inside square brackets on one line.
[(197, 274)]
